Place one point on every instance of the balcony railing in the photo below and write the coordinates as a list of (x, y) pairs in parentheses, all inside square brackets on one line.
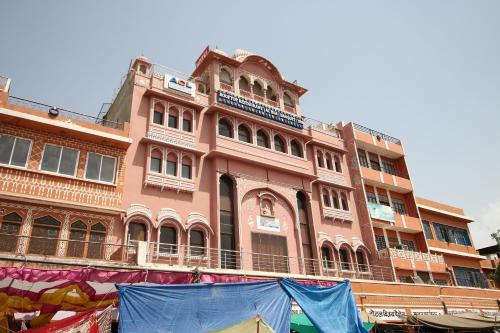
[(182, 256), (258, 98), (411, 255), (50, 109), (377, 134), (53, 247)]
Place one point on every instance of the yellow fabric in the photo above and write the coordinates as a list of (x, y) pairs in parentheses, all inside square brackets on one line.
[(252, 325), (4, 325)]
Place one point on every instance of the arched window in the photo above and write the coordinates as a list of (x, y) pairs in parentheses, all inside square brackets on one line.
[(345, 263), (271, 94), (335, 199), (9, 231), (244, 84), (258, 89), (327, 257), (227, 227), (262, 139), (329, 164), (137, 231), (44, 236), (288, 100), (296, 148), (187, 121), (362, 264), (326, 198), (320, 160), (186, 170), (225, 77), (77, 236), (97, 241), (305, 231), (173, 117), (168, 240), (225, 128), (244, 134), (197, 243), (338, 166), (279, 144), (345, 205), (158, 113), (172, 164), (155, 163)]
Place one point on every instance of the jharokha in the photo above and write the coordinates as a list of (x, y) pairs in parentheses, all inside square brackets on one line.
[(221, 173)]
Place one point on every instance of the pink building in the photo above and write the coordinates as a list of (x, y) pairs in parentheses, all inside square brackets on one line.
[(230, 174)]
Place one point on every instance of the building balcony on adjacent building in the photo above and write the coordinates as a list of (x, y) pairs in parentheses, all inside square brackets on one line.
[(412, 260), (377, 141), (386, 180)]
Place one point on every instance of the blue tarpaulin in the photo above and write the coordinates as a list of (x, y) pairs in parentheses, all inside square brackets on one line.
[(201, 307), (330, 309), (209, 307)]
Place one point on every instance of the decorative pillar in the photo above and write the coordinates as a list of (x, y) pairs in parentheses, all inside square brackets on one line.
[(109, 239), (22, 246), (63, 244)]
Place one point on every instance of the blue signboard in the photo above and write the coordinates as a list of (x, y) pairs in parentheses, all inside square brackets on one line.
[(262, 110), (381, 212)]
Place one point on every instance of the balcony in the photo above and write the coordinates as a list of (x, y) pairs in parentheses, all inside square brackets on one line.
[(396, 183), (258, 98), (251, 153), (182, 256), (57, 250), (325, 134), (171, 137), (410, 260), (332, 177), (378, 141), (169, 182), (337, 214)]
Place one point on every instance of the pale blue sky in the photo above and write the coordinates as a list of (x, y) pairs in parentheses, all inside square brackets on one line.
[(427, 72)]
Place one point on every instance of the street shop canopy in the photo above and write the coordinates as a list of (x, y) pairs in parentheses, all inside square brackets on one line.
[(301, 324), (212, 307), (451, 322)]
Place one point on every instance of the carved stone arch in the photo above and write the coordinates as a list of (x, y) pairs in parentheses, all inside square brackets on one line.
[(169, 214), (269, 190), (140, 213), (198, 219), (358, 244)]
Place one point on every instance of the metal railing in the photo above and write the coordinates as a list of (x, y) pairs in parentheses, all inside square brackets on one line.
[(329, 129), (189, 256), (376, 134), (60, 111), (66, 248)]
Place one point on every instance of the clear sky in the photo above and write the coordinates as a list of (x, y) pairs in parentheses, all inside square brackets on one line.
[(427, 72)]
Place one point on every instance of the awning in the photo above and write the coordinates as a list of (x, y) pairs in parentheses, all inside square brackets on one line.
[(252, 325), (450, 322), (476, 316), (302, 324)]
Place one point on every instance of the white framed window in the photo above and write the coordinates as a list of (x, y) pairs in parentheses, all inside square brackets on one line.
[(59, 159), (14, 151), (100, 167)]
